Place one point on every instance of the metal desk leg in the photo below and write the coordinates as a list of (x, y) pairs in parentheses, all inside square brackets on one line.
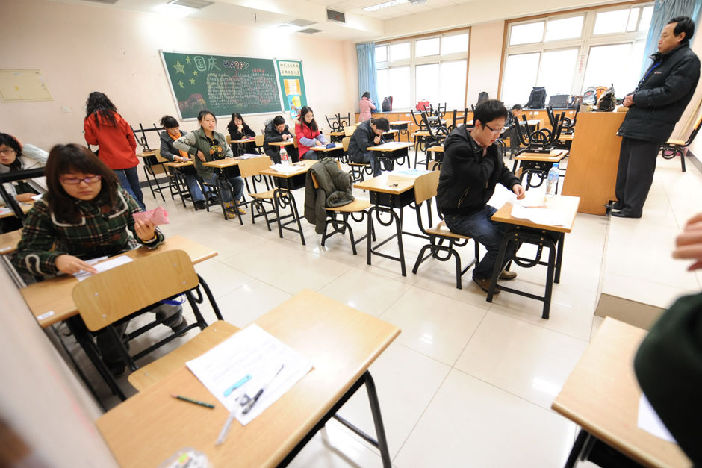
[(283, 197), (549, 281), (369, 228), (377, 420), (577, 449), (559, 257)]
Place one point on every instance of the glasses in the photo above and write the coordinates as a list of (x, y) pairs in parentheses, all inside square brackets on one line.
[(498, 131), (77, 180), (7, 151)]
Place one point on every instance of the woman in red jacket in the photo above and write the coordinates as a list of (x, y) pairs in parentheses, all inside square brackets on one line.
[(107, 129), (307, 134)]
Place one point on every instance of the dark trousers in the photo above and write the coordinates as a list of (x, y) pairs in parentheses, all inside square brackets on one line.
[(637, 163), (129, 180)]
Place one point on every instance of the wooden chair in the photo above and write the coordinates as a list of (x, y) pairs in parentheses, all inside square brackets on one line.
[(673, 148), (349, 129), (338, 217), (425, 189), (250, 170), (141, 284), (153, 168), (258, 143)]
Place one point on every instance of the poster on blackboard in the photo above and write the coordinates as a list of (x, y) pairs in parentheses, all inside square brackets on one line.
[(221, 84), (292, 85)]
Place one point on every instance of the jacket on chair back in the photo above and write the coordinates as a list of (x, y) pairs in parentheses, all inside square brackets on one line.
[(334, 191)]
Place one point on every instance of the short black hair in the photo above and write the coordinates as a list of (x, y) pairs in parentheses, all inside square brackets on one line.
[(489, 110), (168, 121), (366, 94), (278, 120), (685, 25), (382, 124), (201, 115), (12, 142)]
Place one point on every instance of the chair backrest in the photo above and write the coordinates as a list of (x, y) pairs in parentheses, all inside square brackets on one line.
[(345, 143), (427, 127), (426, 186), (695, 131), (349, 129), (258, 140), (229, 139), (253, 166), (107, 297)]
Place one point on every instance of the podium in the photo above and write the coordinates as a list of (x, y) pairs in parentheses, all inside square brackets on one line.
[(593, 160)]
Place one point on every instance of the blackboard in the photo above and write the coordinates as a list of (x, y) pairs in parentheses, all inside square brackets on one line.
[(221, 84)]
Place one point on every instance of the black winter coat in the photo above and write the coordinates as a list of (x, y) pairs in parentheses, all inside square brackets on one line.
[(468, 178), (271, 135), (662, 95), (361, 139)]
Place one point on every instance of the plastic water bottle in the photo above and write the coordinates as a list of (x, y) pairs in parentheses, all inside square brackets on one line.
[(284, 160), (552, 181)]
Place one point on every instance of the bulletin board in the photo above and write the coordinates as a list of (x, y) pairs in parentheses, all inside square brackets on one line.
[(23, 86)]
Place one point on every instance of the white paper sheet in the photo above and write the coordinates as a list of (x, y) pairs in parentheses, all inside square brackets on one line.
[(544, 216), (102, 265), (650, 422), (409, 172), (256, 353), (282, 168)]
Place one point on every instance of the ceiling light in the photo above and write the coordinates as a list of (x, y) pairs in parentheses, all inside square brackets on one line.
[(177, 11), (289, 27), (390, 3)]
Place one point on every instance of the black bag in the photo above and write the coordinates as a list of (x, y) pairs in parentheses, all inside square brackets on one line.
[(607, 102), (537, 98), (387, 104), (482, 97), (559, 101)]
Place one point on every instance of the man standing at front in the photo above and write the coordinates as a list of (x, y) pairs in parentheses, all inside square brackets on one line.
[(470, 171), (654, 108)]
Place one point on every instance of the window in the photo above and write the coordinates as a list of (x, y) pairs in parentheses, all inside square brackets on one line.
[(568, 53), (429, 68)]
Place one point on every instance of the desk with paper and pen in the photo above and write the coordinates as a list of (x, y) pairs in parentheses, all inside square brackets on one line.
[(341, 344)]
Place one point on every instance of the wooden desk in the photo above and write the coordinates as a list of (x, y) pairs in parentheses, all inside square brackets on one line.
[(400, 123), (388, 153), (24, 206), (602, 396), (51, 301), (593, 160), (222, 163), (436, 149), (391, 133), (337, 136), (340, 341), (179, 164), (544, 235), (567, 137), (529, 164), (335, 152), (9, 241), (280, 144)]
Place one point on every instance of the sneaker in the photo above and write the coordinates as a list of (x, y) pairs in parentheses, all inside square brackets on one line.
[(241, 209), (484, 284), (180, 326), (508, 275), (200, 205)]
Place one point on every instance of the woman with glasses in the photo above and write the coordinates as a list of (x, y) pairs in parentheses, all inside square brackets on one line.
[(84, 214), (12, 160)]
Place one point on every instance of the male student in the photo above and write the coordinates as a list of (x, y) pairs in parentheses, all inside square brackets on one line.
[(471, 168), (276, 130), (654, 108), (368, 133)]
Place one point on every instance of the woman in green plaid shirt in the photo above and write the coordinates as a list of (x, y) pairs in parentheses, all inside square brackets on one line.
[(84, 214)]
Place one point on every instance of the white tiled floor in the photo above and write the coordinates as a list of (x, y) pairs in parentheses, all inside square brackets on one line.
[(467, 383)]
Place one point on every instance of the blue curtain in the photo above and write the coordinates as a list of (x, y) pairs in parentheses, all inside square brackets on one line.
[(366, 71), (663, 11)]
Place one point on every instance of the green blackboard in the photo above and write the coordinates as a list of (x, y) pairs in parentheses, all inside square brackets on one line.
[(221, 84)]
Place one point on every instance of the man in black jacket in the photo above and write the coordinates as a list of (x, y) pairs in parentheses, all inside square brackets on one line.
[(471, 169), (367, 134), (654, 108), (276, 130)]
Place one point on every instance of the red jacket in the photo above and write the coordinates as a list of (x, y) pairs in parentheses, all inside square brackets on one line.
[(117, 144), (306, 132)]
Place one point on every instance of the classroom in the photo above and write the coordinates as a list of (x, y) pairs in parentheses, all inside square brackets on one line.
[(531, 366)]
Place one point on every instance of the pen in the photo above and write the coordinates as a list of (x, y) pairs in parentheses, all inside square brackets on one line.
[(253, 401), (238, 384), (196, 402)]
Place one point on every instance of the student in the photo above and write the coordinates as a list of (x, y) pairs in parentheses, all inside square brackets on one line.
[(307, 134), (368, 133), (106, 128), (83, 215), (366, 106), (276, 130), (206, 144), (169, 151), (238, 130), (471, 169), (12, 160)]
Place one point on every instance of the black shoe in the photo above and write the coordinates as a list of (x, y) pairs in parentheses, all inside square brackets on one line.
[(484, 284), (180, 326), (625, 214), (200, 205), (614, 206)]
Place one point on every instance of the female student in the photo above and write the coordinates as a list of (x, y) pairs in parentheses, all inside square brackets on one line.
[(307, 134), (11, 160), (107, 129), (84, 214), (206, 144), (365, 107), (238, 130), (170, 152)]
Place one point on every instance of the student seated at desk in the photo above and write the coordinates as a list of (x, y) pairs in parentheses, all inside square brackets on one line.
[(206, 145), (83, 215), (170, 152), (276, 131), (307, 134), (106, 128), (12, 160), (471, 169), (238, 130), (368, 133)]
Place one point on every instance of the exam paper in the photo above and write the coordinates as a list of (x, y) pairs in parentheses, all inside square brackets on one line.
[(650, 422), (251, 352), (285, 169), (102, 265), (409, 172), (544, 216)]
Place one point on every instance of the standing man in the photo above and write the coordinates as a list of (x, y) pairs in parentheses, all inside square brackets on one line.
[(471, 169), (654, 108), (368, 133)]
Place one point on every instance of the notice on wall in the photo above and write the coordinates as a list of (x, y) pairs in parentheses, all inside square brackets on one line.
[(292, 85), (23, 85)]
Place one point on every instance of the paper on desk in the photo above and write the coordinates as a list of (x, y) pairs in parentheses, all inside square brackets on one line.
[(409, 172), (102, 265), (285, 169), (650, 422), (545, 216), (248, 156), (254, 352)]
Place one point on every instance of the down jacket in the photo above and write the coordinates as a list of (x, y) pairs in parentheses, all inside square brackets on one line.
[(334, 191)]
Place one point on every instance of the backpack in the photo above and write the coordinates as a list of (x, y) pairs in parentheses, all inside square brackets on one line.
[(590, 96), (387, 104), (422, 106), (537, 98), (559, 101), (607, 102)]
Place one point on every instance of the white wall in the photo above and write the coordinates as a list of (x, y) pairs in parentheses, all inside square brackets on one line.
[(84, 48), (484, 62)]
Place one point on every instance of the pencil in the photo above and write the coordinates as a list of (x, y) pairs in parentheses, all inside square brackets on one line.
[(196, 402)]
